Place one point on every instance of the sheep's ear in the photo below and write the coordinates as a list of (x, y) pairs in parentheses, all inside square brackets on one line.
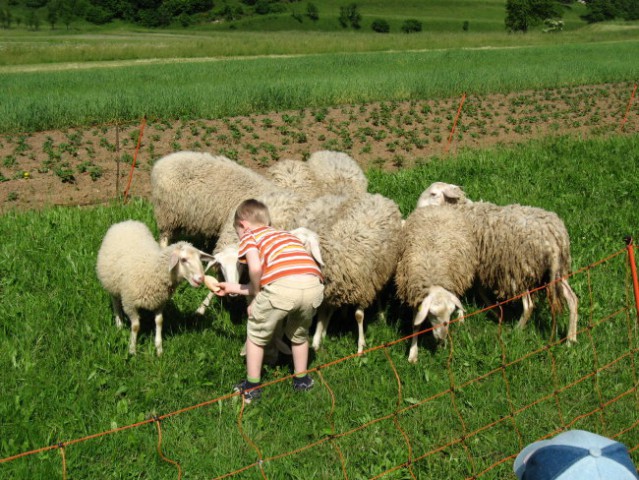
[(460, 309), (315, 250), (208, 257), (174, 259), (422, 311), (453, 193)]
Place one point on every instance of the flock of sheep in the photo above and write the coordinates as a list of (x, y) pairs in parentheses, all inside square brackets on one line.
[(445, 247)]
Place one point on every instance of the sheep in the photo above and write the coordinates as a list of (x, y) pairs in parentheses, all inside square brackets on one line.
[(139, 274), (358, 239), (440, 193), (520, 248), (295, 176), (337, 173), (326, 172), (437, 264), (194, 193)]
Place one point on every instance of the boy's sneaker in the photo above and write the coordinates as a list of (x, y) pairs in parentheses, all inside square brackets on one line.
[(245, 388), (303, 383)]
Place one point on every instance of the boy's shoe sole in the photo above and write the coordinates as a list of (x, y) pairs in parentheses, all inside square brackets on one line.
[(247, 394), (303, 384)]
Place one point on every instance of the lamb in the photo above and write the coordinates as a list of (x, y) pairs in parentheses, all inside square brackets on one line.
[(358, 239), (194, 193), (139, 274), (437, 264), (521, 247), (326, 172)]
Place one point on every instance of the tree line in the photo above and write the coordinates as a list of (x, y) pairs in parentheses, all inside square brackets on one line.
[(520, 15)]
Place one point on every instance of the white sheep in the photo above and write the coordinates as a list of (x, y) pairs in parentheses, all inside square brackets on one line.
[(358, 239), (139, 274), (437, 264), (521, 248), (325, 173), (440, 193), (194, 193)]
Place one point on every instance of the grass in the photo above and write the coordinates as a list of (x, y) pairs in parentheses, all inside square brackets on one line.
[(218, 89), (65, 371)]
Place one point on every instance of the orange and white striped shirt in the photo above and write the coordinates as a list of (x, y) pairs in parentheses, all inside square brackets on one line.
[(282, 254)]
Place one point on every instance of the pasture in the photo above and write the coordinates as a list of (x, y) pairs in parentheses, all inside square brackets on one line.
[(464, 409), (66, 372)]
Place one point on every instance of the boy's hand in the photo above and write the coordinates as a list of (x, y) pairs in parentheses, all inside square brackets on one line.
[(211, 283), (222, 289)]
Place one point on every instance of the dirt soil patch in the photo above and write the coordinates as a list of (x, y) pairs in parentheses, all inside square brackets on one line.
[(93, 165)]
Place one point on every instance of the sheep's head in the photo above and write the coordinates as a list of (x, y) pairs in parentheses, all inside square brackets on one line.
[(185, 262), (311, 242), (229, 266), (440, 193), (439, 306)]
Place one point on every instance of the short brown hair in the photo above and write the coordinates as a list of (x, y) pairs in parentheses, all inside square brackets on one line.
[(253, 211)]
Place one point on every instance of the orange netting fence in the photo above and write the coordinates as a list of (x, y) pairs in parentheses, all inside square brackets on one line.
[(474, 442)]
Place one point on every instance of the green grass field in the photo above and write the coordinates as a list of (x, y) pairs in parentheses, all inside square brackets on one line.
[(66, 373), (64, 368), (37, 101)]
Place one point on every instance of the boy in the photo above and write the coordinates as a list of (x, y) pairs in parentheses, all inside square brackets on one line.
[(286, 284)]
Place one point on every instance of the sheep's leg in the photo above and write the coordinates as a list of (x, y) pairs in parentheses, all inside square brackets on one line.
[(205, 304), (135, 328), (573, 303), (361, 339), (164, 240), (159, 321), (528, 306), (116, 302), (324, 314), (412, 354)]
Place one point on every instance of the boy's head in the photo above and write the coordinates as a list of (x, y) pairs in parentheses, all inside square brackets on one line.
[(251, 213)]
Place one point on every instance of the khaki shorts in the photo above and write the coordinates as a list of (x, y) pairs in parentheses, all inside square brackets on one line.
[(296, 297)]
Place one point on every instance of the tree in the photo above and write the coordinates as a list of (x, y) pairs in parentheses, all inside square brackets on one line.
[(349, 15), (312, 12), (411, 25), (523, 14), (33, 21), (380, 25), (52, 14)]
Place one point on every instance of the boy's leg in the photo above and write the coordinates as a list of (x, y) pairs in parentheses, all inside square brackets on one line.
[(300, 356), (254, 359)]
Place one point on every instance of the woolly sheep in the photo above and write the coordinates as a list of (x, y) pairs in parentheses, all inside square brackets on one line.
[(139, 274), (437, 264), (337, 173), (194, 193), (358, 239), (326, 172), (440, 193), (521, 247)]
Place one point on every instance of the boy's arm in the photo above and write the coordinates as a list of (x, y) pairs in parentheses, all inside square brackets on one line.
[(255, 271)]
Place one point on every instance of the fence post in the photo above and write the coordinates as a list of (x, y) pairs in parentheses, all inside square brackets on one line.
[(633, 271)]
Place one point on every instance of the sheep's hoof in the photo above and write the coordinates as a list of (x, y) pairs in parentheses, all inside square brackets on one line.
[(412, 360), (201, 310)]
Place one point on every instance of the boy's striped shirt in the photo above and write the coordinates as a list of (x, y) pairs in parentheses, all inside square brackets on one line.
[(282, 254)]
